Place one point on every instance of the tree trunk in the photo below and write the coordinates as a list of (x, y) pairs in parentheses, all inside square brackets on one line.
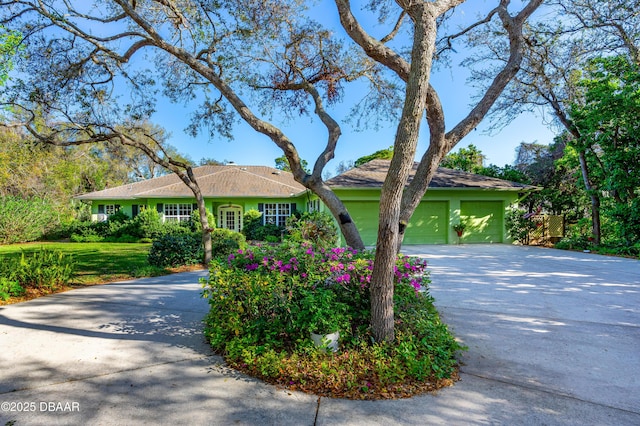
[(206, 229), (382, 282), (418, 187), (595, 198), (339, 212), (189, 179)]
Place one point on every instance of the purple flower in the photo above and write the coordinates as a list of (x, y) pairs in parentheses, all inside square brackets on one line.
[(252, 267)]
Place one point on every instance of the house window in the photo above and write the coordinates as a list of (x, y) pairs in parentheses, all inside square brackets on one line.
[(110, 209), (177, 212), (276, 213), (106, 210), (313, 205)]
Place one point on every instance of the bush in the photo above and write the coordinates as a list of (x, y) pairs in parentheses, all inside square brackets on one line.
[(318, 228), (176, 249), (24, 220), (518, 226), (43, 269), (224, 242), (9, 289), (265, 301), (147, 224), (195, 221), (253, 229)]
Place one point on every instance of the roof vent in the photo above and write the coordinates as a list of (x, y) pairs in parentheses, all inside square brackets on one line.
[(243, 168), (231, 163), (275, 172)]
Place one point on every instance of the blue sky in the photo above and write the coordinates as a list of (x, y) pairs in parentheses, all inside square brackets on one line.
[(252, 148)]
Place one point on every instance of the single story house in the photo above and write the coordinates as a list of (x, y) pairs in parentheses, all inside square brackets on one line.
[(231, 190)]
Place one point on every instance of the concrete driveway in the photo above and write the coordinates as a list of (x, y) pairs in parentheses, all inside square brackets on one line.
[(553, 337)]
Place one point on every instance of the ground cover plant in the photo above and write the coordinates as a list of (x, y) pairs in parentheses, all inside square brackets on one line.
[(265, 301), (93, 263)]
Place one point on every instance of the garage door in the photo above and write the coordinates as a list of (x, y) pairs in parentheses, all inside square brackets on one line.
[(484, 219), (428, 225), (365, 216)]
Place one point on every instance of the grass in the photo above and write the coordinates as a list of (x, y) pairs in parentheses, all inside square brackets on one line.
[(96, 263)]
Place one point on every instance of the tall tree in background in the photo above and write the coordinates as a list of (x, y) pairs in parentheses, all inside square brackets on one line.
[(283, 63), (29, 169), (607, 118), (382, 154), (283, 164), (469, 159)]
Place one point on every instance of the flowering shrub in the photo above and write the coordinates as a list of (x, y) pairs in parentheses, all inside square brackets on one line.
[(265, 301)]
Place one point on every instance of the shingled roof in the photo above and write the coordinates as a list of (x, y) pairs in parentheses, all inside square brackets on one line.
[(214, 181), (373, 173)]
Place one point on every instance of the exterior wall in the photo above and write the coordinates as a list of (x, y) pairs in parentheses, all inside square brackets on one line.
[(426, 226), (212, 204)]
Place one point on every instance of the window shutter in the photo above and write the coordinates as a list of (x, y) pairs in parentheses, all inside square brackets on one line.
[(117, 207), (261, 210), (160, 208), (293, 208), (195, 207), (135, 209), (100, 208)]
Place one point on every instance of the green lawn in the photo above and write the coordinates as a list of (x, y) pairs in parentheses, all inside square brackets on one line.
[(96, 262)]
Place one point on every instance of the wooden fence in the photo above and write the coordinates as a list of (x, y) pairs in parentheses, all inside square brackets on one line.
[(549, 229)]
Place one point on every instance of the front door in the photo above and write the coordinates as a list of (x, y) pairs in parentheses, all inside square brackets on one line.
[(230, 217)]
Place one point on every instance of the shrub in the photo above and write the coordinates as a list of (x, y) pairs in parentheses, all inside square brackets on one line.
[(176, 249), (264, 302), (147, 224), (9, 289), (24, 220), (88, 231), (253, 229), (195, 220), (224, 242), (45, 269), (76, 238), (518, 226), (317, 228)]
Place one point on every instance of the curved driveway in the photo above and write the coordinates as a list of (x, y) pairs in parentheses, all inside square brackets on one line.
[(553, 337)]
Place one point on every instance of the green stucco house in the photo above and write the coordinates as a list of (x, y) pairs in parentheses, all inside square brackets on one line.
[(230, 190)]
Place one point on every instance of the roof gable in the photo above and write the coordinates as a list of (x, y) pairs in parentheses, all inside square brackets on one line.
[(373, 174), (214, 181)]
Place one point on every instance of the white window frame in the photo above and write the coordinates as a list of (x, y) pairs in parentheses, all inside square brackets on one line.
[(313, 205), (177, 212), (276, 213), (110, 209)]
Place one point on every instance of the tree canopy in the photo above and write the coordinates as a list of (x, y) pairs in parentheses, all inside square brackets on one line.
[(469, 159), (607, 119)]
